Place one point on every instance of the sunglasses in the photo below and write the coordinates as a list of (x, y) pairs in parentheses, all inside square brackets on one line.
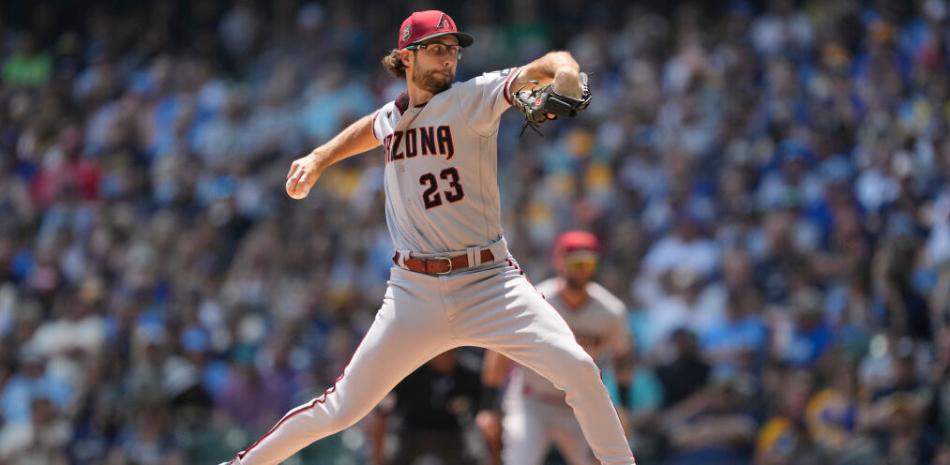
[(580, 261), (439, 50)]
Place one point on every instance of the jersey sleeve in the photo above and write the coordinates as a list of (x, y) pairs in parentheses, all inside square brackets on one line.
[(620, 340), (484, 98), (381, 121), (375, 123)]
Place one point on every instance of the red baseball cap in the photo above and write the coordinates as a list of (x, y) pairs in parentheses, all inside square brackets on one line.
[(576, 240), (572, 241), (428, 24)]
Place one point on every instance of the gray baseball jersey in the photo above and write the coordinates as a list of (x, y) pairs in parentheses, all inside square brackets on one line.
[(441, 174)]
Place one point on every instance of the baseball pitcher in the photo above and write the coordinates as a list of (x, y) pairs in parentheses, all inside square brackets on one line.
[(453, 282)]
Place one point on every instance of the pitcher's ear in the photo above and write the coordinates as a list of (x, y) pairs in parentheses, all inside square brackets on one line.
[(405, 55)]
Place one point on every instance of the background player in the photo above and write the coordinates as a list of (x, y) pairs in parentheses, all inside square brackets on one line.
[(454, 282), (535, 413)]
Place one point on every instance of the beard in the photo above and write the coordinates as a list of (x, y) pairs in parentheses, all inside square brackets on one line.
[(433, 81), (575, 284)]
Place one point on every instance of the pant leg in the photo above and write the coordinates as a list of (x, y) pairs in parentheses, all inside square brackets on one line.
[(524, 439), (446, 447), (410, 328), (569, 438), (505, 313), (410, 447)]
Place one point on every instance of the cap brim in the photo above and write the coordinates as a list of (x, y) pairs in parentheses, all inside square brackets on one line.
[(464, 39)]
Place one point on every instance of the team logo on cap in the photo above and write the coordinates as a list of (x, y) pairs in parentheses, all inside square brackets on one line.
[(443, 22), (406, 31)]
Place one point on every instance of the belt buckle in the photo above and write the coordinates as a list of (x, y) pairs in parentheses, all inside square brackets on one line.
[(450, 265)]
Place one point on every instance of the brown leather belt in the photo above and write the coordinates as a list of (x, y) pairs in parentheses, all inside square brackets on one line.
[(441, 265)]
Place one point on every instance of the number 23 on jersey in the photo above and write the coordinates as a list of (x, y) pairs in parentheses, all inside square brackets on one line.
[(432, 197)]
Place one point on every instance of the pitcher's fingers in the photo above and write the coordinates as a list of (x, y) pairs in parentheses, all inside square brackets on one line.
[(294, 167), (292, 184), (299, 176), (308, 180)]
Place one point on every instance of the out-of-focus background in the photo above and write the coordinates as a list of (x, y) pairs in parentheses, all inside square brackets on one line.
[(769, 179)]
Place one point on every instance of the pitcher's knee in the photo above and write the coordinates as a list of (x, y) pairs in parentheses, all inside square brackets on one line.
[(333, 412), (345, 416), (577, 369)]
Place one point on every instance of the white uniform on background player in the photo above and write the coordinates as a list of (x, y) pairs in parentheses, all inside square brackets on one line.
[(454, 282), (535, 411)]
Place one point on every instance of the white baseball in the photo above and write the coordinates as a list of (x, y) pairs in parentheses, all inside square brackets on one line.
[(299, 194)]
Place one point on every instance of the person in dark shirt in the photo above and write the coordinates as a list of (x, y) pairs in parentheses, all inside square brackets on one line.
[(433, 404), (687, 373)]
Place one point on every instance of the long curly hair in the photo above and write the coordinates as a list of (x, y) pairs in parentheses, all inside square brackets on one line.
[(393, 63)]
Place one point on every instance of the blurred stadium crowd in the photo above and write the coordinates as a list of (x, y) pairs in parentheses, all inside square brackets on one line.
[(769, 180)]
